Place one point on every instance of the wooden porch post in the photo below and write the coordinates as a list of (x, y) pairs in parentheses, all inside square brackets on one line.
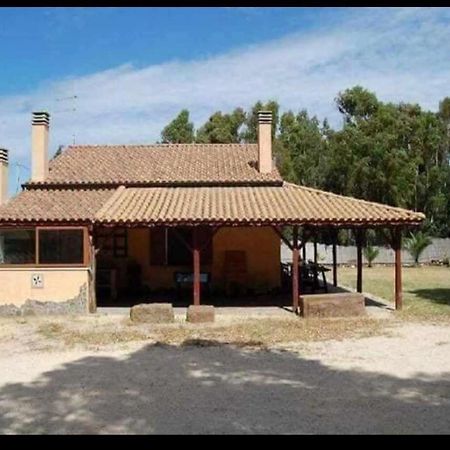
[(92, 252), (315, 248), (295, 278), (398, 269), (359, 239), (334, 258), (196, 261)]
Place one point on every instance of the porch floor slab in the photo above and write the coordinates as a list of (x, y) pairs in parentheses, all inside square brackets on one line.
[(254, 311)]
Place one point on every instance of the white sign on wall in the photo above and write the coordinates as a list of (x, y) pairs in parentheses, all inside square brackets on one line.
[(37, 280)]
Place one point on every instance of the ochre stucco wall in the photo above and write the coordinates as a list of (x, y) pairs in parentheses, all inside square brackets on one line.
[(261, 244), (59, 284)]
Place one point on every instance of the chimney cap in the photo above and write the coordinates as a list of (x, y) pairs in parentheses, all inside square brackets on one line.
[(41, 118), (4, 155), (265, 116)]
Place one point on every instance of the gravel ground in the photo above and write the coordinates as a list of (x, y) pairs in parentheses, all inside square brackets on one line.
[(396, 383)]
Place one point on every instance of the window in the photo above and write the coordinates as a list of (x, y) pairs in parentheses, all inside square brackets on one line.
[(177, 252), (17, 247), (113, 242), (167, 246), (61, 246), (41, 246)]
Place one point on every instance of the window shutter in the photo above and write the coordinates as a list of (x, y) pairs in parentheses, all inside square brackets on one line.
[(206, 244), (157, 246)]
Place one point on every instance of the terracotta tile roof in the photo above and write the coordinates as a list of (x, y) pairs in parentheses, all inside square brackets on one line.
[(54, 205), (253, 205), (162, 164)]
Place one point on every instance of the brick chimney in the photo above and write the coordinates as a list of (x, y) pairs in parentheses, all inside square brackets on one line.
[(39, 146), (3, 176), (265, 141)]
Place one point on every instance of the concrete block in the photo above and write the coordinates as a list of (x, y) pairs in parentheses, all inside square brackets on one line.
[(333, 305), (200, 313), (152, 313)]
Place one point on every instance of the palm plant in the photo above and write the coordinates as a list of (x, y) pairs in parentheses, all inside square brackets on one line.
[(370, 254), (416, 244)]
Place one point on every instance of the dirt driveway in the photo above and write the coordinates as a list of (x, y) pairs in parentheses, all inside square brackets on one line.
[(387, 383)]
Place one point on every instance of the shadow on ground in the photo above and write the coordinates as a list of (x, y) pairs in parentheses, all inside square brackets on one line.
[(436, 295), (207, 387)]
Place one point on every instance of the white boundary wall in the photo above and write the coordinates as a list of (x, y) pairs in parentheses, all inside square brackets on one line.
[(438, 250)]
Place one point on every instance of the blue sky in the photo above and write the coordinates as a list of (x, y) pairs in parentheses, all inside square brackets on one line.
[(47, 44), (133, 69)]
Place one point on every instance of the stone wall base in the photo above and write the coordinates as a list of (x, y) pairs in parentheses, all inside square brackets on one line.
[(75, 305)]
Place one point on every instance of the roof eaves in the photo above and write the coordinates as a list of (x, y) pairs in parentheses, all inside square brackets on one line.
[(149, 184)]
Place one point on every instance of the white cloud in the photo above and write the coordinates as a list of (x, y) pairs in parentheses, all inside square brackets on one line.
[(401, 54)]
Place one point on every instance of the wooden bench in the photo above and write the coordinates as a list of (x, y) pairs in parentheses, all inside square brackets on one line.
[(342, 304)]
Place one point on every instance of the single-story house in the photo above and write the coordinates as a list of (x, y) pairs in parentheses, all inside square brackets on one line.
[(127, 217)]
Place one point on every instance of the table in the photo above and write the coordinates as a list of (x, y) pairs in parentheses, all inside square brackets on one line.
[(188, 278), (314, 269), (309, 274)]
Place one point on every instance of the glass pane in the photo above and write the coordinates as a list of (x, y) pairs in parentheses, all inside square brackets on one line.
[(178, 254), (17, 247), (61, 246), (120, 242)]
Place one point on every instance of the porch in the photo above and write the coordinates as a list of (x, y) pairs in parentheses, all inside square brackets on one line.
[(221, 266)]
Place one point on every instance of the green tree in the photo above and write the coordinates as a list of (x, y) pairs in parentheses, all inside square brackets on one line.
[(58, 151), (391, 154), (222, 128), (357, 104), (179, 131), (250, 133), (444, 109), (302, 137), (416, 244)]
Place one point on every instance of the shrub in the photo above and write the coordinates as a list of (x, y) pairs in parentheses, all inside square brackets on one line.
[(370, 254), (416, 244)]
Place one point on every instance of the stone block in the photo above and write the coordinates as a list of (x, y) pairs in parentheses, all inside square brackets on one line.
[(200, 313), (152, 313), (333, 305)]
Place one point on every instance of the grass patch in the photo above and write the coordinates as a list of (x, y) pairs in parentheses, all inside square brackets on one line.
[(86, 334), (247, 333), (426, 289), (50, 329), (268, 332)]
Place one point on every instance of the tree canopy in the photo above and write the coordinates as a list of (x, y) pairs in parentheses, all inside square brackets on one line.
[(179, 131), (397, 154), (221, 128)]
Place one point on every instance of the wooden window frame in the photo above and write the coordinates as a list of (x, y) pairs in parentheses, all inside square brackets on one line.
[(21, 264), (36, 264), (113, 236), (181, 242)]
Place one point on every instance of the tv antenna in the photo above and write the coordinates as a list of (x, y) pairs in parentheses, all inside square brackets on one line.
[(72, 109), (19, 166)]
